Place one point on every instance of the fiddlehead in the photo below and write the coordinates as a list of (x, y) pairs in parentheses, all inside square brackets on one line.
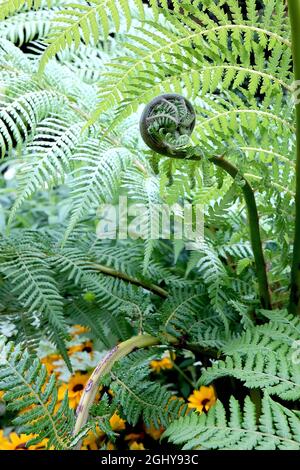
[(166, 125)]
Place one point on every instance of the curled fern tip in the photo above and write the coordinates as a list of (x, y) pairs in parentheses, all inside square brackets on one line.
[(167, 123)]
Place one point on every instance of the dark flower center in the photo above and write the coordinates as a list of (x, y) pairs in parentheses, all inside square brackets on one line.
[(77, 388), (21, 446), (205, 401)]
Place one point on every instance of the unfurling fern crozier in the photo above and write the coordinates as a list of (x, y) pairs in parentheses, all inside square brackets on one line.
[(167, 123)]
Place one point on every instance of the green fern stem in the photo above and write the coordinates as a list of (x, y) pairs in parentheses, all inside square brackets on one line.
[(255, 238), (103, 368), (294, 15), (137, 282)]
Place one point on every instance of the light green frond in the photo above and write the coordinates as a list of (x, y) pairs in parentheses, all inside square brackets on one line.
[(96, 179), (278, 428), (19, 116), (87, 23), (48, 157)]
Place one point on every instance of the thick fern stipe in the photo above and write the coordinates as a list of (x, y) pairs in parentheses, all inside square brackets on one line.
[(294, 15), (102, 271)]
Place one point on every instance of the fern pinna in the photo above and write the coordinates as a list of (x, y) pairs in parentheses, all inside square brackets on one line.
[(158, 103)]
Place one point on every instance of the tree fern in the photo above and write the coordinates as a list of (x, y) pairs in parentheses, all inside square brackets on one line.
[(74, 79)]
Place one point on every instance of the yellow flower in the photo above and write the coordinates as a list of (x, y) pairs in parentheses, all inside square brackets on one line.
[(153, 432), (136, 446), (78, 330), (86, 346), (74, 387), (3, 441), (110, 446), (48, 361), (117, 423), (92, 440), (162, 364), (18, 442), (202, 399), (1, 394)]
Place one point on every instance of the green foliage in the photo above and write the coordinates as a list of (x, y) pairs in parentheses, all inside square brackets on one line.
[(28, 388), (73, 81), (140, 397), (79, 21), (263, 355), (278, 428)]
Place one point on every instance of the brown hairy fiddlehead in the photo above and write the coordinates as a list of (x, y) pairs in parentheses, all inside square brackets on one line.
[(167, 123)]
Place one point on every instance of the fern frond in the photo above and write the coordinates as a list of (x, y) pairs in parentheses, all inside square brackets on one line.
[(26, 268), (143, 191), (181, 310), (215, 277), (275, 373), (21, 115), (277, 428), (48, 157), (282, 329), (85, 23), (111, 293), (8, 7), (150, 71), (28, 390), (96, 179), (138, 396), (37, 26)]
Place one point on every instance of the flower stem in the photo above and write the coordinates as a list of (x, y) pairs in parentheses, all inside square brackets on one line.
[(294, 15), (104, 367), (180, 371)]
